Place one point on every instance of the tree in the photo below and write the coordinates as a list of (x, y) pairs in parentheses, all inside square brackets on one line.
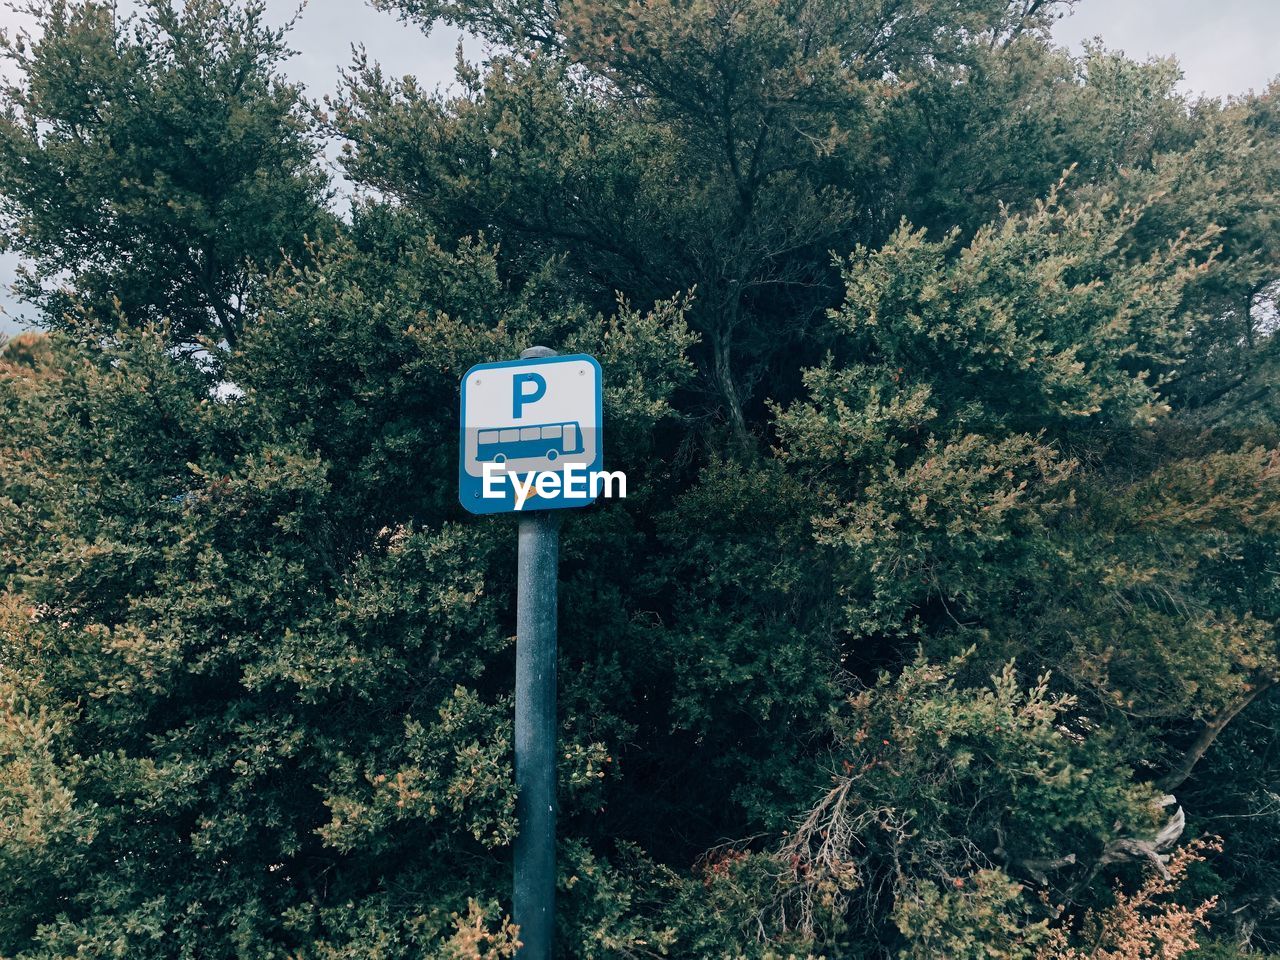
[(720, 146), (296, 654), (943, 606), (180, 160)]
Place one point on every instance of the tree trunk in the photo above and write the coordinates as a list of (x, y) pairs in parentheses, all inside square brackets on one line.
[(722, 372)]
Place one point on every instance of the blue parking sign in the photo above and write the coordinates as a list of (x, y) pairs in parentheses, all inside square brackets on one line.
[(526, 420)]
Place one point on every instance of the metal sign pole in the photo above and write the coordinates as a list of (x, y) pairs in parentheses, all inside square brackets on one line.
[(535, 844)]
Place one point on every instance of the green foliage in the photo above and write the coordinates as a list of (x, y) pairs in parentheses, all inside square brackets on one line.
[(181, 160), (978, 919), (945, 559), (279, 676), (932, 782)]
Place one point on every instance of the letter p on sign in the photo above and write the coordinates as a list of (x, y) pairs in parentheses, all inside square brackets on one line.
[(521, 396)]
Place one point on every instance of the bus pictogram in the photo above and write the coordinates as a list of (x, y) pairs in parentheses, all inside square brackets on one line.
[(549, 440)]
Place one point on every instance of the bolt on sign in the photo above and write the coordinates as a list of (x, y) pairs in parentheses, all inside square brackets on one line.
[(531, 435)]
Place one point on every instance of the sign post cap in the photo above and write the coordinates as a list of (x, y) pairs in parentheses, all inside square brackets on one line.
[(537, 353)]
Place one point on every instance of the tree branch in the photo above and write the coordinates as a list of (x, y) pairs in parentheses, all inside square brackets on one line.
[(1182, 770)]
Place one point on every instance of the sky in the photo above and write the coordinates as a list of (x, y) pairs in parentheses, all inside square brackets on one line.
[(1225, 47)]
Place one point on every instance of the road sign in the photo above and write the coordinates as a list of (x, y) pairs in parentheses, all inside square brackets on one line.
[(530, 416)]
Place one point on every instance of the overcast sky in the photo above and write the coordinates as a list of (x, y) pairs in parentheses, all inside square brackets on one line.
[(1225, 47)]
